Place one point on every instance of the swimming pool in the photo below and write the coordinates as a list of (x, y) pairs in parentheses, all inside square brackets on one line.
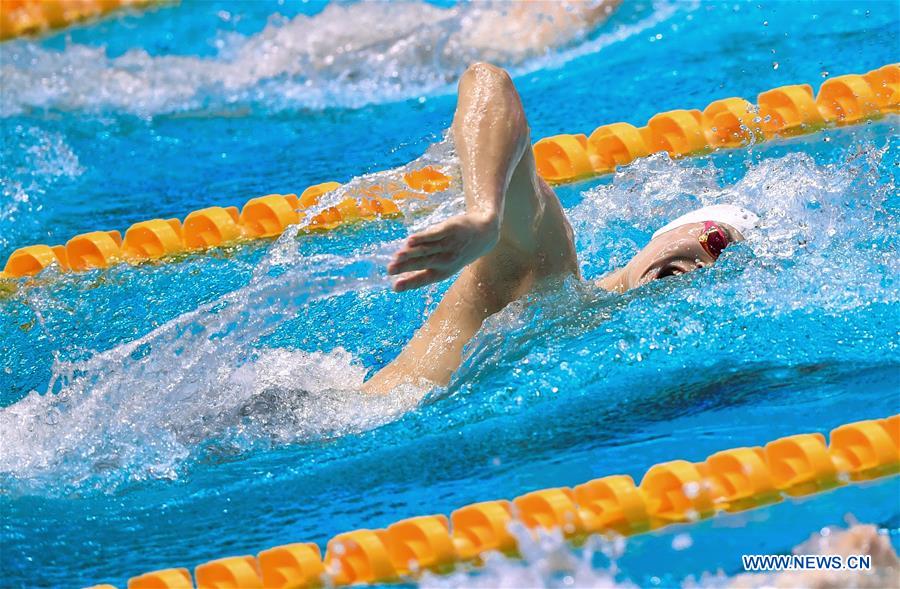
[(180, 439)]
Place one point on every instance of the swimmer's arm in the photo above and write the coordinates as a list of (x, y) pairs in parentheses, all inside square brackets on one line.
[(491, 136), (513, 31), (613, 282)]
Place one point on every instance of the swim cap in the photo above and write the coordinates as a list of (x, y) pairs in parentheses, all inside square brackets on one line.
[(738, 217)]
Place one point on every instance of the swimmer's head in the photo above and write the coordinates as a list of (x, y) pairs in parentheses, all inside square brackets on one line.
[(692, 241)]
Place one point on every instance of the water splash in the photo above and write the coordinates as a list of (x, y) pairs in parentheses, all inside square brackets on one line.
[(335, 58), (206, 382), (50, 160), (549, 562), (802, 268), (141, 419), (225, 389), (804, 205)]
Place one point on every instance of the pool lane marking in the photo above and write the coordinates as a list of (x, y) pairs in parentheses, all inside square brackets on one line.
[(674, 492)]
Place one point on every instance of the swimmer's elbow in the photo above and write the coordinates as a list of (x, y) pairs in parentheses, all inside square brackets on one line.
[(483, 75), (495, 84), (482, 70)]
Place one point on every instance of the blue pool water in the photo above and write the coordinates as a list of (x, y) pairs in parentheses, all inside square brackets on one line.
[(153, 416)]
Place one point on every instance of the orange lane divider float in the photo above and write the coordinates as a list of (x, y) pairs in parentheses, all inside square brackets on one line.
[(725, 123), (261, 217), (32, 17), (669, 493)]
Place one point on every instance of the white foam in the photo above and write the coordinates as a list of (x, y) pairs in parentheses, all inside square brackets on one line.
[(141, 409), (334, 58), (547, 562), (50, 160)]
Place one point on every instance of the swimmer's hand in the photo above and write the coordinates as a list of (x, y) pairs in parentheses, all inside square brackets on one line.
[(444, 249)]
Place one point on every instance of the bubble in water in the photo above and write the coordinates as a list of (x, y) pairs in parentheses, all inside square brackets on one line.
[(682, 542)]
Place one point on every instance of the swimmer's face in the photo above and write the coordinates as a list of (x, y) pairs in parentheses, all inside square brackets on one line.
[(674, 252)]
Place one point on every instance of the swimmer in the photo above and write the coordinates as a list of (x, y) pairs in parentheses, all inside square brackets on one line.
[(514, 235), (512, 32)]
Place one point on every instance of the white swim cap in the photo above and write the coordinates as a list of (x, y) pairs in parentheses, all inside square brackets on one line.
[(738, 217)]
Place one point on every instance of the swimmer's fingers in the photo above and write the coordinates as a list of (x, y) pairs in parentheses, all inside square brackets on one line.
[(419, 279), (436, 256), (418, 251), (445, 248), (438, 261), (436, 246)]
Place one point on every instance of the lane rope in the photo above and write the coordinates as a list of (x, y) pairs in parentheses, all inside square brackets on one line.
[(27, 18), (729, 123), (675, 492)]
